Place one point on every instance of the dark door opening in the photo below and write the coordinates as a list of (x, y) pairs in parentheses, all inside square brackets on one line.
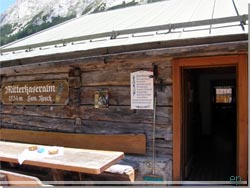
[(209, 124)]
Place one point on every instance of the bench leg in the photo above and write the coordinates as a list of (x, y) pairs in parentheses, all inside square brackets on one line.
[(3, 181)]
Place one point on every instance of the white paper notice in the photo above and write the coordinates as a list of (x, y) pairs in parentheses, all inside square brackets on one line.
[(142, 90)]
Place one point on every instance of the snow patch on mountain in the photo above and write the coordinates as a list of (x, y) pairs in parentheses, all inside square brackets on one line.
[(36, 12)]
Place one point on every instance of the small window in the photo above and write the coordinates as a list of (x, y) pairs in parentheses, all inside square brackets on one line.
[(223, 94)]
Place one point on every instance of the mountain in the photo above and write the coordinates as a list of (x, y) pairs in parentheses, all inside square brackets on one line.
[(26, 17)]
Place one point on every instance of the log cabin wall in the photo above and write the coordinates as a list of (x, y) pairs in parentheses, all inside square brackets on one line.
[(110, 73), (80, 116)]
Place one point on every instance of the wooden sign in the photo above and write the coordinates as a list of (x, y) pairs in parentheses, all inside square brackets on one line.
[(142, 90), (51, 92)]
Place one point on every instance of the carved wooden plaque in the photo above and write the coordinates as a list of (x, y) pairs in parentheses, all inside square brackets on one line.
[(51, 92)]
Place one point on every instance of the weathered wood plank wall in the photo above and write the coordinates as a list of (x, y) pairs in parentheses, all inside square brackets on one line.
[(99, 70), (112, 73), (80, 116)]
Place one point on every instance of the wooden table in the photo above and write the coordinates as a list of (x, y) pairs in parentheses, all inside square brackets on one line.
[(77, 160)]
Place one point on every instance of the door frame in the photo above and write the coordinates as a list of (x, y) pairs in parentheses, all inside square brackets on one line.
[(240, 63)]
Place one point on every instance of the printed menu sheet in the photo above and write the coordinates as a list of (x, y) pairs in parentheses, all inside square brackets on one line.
[(142, 90)]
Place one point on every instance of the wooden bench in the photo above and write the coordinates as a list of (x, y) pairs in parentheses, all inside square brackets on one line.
[(15, 179), (118, 172), (127, 143)]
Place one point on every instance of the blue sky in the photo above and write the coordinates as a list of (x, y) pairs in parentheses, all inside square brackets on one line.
[(4, 4)]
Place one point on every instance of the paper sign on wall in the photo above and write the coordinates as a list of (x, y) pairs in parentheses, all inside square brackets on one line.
[(142, 90)]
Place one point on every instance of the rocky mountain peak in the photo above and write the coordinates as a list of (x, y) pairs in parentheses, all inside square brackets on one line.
[(26, 17)]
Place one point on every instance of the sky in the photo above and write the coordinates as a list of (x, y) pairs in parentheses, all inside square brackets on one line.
[(4, 4)]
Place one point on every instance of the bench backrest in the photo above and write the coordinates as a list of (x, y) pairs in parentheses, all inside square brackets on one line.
[(128, 143), (16, 179)]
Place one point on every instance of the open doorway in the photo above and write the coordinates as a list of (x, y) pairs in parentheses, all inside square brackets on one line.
[(196, 116), (209, 124)]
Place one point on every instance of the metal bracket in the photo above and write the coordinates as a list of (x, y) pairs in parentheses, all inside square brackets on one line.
[(113, 35)]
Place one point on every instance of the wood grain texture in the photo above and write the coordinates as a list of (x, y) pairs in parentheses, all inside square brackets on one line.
[(77, 160), (1, 96), (115, 77), (37, 77), (38, 122), (128, 143), (120, 95), (92, 126), (125, 114), (16, 179), (41, 111), (177, 120), (48, 115), (242, 119), (3, 180), (58, 62), (126, 62)]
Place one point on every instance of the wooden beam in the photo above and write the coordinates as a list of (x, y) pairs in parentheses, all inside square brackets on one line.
[(177, 121), (242, 118), (200, 50), (128, 143)]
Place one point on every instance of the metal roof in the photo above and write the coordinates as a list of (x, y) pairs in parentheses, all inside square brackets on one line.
[(162, 21)]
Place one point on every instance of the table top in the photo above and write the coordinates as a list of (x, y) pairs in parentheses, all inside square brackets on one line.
[(78, 160)]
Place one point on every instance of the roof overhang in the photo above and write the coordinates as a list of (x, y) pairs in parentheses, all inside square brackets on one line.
[(219, 45)]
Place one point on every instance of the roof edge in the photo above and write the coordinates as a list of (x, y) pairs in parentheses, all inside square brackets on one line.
[(109, 51), (113, 34)]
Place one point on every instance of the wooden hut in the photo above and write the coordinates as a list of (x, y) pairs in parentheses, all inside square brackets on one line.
[(197, 49)]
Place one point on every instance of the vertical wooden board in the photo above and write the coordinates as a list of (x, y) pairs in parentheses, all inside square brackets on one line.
[(0, 95), (242, 119), (176, 121)]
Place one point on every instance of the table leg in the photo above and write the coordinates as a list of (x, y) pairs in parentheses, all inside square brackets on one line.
[(81, 176), (57, 176)]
